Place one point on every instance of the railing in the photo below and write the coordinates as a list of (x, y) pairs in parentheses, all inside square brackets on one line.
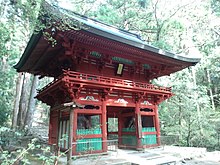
[(95, 144), (112, 81), (112, 144), (101, 80)]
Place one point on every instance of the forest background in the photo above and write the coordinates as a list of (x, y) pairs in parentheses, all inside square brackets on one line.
[(188, 27)]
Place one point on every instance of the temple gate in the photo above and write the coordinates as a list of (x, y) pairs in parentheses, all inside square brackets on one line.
[(100, 72)]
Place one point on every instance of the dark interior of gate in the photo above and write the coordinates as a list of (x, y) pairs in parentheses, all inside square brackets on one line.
[(122, 126), (105, 73)]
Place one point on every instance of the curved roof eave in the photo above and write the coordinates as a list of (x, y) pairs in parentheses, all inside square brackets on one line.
[(123, 36), (107, 31), (30, 46)]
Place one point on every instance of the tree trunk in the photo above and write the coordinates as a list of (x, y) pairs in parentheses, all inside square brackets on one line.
[(196, 99), (180, 118), (23, 101), (188, 135), (31, 103), (210, 88), (180, 113), (19, 85), (218, 140)]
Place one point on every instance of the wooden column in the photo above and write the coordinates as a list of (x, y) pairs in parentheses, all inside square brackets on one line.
[(104, 128), (74, 132), (72, 106), (138, 124), (157, 124), (120, 125), (70, 140), (58, 132)]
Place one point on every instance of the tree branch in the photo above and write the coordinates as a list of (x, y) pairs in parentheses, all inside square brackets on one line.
[(155, 12), (217, 32)]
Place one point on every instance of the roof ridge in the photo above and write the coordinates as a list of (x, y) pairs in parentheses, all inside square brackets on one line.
[(86, 18)]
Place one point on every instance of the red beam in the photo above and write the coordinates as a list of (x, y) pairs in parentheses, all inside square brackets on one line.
[(88, 136), (89, 111), (111, 103), (84, 102), (149, 133)]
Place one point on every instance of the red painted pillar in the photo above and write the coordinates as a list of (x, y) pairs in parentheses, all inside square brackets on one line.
[(104, 127), (138, 124), (74, 131), (58, 132), (70, 138), (157, 124)]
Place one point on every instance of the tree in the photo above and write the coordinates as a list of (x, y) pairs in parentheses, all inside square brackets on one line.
[(20, 19), (17, 99), (23, 104), (7, 56), (31, 104)]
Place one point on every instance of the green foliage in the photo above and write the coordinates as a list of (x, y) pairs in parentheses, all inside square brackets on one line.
[(181, 116), (20, 155), (8, 136), (215, 5), (25, 155), (6, 74), (46, 157)]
